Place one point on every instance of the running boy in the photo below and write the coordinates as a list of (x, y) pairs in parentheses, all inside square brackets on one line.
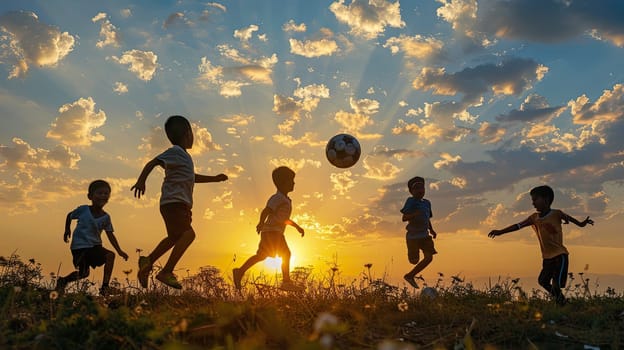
[(547, 226), (86, 244), (176, 200), (417, 213), (273, 220)]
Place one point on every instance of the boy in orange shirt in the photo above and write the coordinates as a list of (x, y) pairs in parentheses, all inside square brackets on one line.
[(546, 223)]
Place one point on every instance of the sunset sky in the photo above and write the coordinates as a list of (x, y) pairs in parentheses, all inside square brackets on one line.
[(484, 99)]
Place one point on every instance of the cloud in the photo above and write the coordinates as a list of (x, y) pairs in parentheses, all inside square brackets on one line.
[(379, 168), (141, 63), (342, 182), (417, 46), (608, 108), (294, 164), (229, 80), (368, 19), (353, 123), (313, 48), (550, 21), (125, 13), (490, 133), (120, 88), (217, 5), (244, 34), (425, 131), (534, 108), (29, 42), (109, 34), (291, 26), (177, 19), (76, 123), (510, 77), (398, 154), (22, 156)]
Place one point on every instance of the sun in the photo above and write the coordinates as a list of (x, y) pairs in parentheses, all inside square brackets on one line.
[(275, 263)]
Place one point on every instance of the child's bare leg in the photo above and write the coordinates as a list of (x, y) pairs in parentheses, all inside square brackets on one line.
[(286, 266), (420, 266), (249, 263), (162, 247), (108, 268), (179, 247)]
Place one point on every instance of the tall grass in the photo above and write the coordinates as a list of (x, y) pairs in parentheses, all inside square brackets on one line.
[(362, 313)]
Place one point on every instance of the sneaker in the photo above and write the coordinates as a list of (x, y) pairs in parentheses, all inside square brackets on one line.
[(61, 283), (291, 286), (145, 266), (412, 282), (169, 279), (561, 300), (236, 273)]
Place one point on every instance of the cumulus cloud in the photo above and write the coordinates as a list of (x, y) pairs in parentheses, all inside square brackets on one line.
[(245, 34), (425, 131), (417, 46), (23, 156), (294, 164), (510, 77), (291, 26), (342, 182), (120, 88), (28, 42), (176, 19), (76, 123), (230, 80), (109, 34), (313, 48), (379, 168), (534, 108), (354, 123), (141, 63), (368, 19), (490, 133), (398, 154), (608, 107), (550, 20)]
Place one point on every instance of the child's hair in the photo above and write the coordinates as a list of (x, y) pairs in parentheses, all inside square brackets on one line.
[(281, 174), (176, 127), (545, 192), (414, 180), (97, 184)]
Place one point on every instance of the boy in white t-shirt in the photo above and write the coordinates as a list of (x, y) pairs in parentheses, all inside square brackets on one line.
[(176, 200), (86, 243)]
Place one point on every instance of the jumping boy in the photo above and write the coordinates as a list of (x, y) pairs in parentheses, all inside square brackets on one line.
[(417, 213), (86, 243), (546, 223), (273, 220), (176, 200)]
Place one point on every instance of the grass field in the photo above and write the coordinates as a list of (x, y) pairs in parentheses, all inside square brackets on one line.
[(365, 313)]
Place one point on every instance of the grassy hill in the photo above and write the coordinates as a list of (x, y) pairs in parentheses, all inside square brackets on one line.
[(362, 314)]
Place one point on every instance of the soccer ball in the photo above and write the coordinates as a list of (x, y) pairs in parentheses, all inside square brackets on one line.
[(343, 150), (429, 292)]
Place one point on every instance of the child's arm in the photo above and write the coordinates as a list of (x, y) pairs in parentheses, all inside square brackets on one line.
[(432, 231), (294, 224), (139, 187), (207, 178), (67, 233), (263, 216), (409, 216), (113, 240), (567, 218), (511, 228)]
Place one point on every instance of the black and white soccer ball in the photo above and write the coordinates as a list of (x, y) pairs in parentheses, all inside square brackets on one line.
[(343, 151)]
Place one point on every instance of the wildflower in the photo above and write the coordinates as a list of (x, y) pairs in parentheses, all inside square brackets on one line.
[(17, 289), (54, 295), (139, 250), (138, 309), (368, 266), (537, 316), (457, 279), (323, 321), (31, 260), (515, 280), (440, 274), (334, 268), (586, 267), (403, 306), (127, 272)]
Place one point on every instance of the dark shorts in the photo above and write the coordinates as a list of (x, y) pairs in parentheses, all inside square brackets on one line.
[(272, 243), (555, 270), (89, 257), (177, 218), (415, 245)]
